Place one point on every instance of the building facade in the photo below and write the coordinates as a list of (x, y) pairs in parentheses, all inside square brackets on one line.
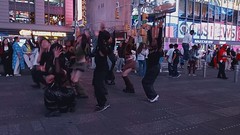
[(106, 11), (51, 18), (214, 22)]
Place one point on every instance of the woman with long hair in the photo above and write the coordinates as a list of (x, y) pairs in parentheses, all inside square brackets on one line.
[(7, 57), (80, 64), (130, 64)]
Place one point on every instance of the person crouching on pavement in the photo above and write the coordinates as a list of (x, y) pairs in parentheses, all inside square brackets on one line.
[(130, 64), (153, 69), (222, 58)]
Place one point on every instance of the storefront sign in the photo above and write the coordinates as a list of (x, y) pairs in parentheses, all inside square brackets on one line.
[(42, 33), (203, 41), (211, 31)]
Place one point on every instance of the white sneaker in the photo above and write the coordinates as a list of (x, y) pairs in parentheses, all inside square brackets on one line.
[(118, 71), (7, 75), (154, 100), (17, 74), (194, 75)]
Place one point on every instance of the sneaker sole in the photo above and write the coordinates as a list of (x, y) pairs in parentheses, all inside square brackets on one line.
[(105, 107)]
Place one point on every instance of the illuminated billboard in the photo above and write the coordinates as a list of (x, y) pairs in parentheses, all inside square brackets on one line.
[(165, 6), (212, 31), (82, 15)]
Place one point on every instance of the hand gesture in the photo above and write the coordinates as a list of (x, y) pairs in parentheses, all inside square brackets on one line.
[(57, 52)]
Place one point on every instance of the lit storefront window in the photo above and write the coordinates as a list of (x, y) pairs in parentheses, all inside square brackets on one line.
[(54, 12), (55, 3), (22, 11)]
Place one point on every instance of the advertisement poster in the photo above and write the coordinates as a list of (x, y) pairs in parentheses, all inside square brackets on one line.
[(211, 31), (166, 6)]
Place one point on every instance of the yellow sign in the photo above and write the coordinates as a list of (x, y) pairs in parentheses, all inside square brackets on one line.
[(42, 33)]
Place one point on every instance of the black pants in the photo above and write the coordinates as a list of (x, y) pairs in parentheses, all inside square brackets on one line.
[(38, 76), (170, 69), (221, 71), (175, 69), (7, 66), (149, 79), (99, 87), (186, 51)]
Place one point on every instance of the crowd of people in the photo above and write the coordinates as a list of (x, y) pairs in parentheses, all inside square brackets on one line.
[(59, 68)]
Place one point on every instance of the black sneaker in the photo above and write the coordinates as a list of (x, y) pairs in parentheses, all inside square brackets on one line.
[(102, 108)]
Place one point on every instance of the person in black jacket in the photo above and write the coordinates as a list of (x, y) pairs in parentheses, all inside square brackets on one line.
[(7, 57), (153, 68), (100, 72)]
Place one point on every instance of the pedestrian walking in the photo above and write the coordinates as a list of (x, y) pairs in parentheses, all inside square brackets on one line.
[(222, 58), (18, 60), (7, 57)]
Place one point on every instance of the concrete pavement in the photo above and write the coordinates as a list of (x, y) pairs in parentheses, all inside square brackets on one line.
[(187, 106)]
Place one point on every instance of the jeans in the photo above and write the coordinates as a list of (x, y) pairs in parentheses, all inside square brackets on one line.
[(170, 69), (148, 81), (192, 67), (186, 51), (120, 63), (142, 67)]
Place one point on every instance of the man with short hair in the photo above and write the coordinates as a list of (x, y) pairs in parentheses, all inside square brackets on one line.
[(175, 61), (187, 41), (169, 59)]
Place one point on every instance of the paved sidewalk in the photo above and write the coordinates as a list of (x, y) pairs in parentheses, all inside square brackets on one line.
[(187, 106)]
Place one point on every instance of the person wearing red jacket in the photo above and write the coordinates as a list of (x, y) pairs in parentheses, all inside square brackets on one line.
[(222, 58)]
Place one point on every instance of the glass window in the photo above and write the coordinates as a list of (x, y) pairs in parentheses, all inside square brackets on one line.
[(21, 13), (197, 10), (55, 3), (24, 17), (229, 15), (54, 12), (238, 18), (189, 6), (223, 14), (235, 17), (182, 8), (211, 12), (218, 14), (204, 12), (56, 20)]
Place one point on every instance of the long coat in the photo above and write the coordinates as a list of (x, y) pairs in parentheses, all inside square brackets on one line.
[(17, 50)]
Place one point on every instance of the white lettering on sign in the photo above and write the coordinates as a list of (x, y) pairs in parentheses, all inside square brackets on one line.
[(212, 31), (42, 33), (203, 41)]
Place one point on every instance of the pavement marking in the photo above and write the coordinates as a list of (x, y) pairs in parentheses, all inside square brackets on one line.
[(229, 127)]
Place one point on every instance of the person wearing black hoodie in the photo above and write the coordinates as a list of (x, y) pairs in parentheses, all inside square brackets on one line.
[(153, 69), (100, 72)]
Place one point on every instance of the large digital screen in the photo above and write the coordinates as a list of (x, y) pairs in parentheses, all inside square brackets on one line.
[(165, 6), (212, 31)]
